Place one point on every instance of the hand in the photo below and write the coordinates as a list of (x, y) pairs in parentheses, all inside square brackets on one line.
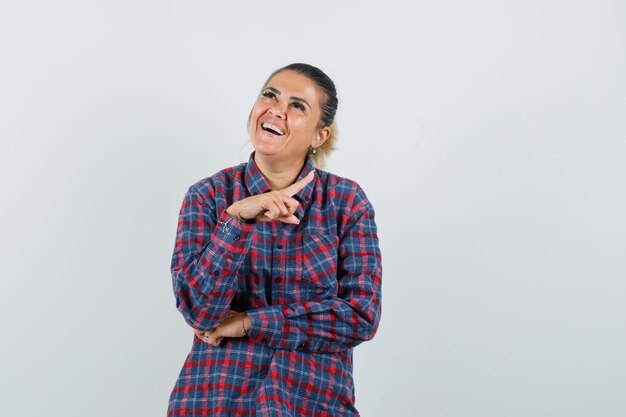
[(277, 204), (232, 326)]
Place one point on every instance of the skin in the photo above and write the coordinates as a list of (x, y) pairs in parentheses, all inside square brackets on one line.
[(292, 102)]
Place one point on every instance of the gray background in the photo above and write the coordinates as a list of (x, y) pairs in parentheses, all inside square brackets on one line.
[(489, 136)]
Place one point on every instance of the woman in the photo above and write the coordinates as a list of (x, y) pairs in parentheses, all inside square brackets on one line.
[(277, 267)]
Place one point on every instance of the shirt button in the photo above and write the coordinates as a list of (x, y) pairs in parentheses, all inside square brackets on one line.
[(276, 279), (237, 237), (279, 246), (216, 272)]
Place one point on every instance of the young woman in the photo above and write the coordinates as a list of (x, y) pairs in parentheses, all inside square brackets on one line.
[(277, 267)]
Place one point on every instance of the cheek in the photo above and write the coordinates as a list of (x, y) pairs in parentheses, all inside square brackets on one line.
[(304, 126), (258, 109), (254, 116)]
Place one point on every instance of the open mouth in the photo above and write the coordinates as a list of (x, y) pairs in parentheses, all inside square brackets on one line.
[(272, 128)]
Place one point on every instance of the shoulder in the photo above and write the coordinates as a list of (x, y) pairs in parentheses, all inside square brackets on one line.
[(218, 182), (345, 192)]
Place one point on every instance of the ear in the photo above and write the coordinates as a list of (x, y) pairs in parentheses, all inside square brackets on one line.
[(321, 136)]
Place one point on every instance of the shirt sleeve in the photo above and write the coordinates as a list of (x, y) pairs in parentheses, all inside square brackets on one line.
[(208, 251), (337, 323)]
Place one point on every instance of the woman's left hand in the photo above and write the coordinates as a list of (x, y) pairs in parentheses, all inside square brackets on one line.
[(232, 326)]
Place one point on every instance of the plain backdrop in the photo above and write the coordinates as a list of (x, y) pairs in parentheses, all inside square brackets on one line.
[(490, 137)]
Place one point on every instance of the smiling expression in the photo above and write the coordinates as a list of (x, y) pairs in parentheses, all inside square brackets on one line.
[(285, 118)]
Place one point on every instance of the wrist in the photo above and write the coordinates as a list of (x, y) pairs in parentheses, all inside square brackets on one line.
[(234, 213), (245, 324)]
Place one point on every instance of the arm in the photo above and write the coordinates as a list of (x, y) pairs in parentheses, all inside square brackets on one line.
[(208, 250), (336, 323)]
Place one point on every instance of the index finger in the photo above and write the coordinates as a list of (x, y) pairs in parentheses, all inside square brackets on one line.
[(297, 186)]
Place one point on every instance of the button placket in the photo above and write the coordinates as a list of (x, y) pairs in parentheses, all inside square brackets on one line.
[(276, 287), (279, 254)]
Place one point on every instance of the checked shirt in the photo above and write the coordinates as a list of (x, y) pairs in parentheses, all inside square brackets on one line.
[(312, 292)]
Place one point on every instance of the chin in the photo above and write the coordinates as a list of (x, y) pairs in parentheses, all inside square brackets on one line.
[(267, 146)]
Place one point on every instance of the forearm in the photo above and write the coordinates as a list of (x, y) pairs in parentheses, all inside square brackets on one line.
[(327, 326), (205, 282)]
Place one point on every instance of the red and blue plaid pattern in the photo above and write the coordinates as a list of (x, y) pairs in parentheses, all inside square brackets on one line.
[(312, 291)]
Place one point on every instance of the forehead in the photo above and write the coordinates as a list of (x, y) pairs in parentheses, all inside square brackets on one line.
[(291, 83)]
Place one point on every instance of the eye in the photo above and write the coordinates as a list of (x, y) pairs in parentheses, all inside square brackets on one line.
[(269, 94), (299, 106)]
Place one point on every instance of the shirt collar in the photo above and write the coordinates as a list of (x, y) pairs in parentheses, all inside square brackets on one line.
[(257, 184)]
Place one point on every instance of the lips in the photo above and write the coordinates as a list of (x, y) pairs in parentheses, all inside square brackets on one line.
[(273, 128)]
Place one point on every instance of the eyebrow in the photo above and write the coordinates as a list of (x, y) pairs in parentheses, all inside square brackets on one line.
[(292, 97)]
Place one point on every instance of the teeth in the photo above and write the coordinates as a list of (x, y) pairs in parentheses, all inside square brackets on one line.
[(275, 128)]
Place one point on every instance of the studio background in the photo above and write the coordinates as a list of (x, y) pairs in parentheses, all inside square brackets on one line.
[(488, 135)]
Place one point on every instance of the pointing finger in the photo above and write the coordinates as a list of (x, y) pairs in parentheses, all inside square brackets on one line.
[(297, 186)]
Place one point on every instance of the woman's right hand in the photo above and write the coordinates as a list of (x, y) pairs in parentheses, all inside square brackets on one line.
[(277, 204)]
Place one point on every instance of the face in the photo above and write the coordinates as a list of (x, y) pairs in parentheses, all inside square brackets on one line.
[(284, 121)]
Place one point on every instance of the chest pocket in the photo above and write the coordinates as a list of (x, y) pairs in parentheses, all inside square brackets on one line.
[(317, 262)]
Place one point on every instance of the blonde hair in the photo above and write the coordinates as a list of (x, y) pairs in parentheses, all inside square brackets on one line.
[(323, 152)]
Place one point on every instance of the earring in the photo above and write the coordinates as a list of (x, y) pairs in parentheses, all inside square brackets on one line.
[(314, 148)]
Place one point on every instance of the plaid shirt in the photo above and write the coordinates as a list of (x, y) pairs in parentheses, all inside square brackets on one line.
[(312, 291)]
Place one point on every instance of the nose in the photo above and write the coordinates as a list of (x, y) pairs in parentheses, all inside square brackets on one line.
[(278, 110)]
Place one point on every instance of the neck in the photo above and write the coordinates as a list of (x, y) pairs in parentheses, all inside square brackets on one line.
[(278, 172)]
